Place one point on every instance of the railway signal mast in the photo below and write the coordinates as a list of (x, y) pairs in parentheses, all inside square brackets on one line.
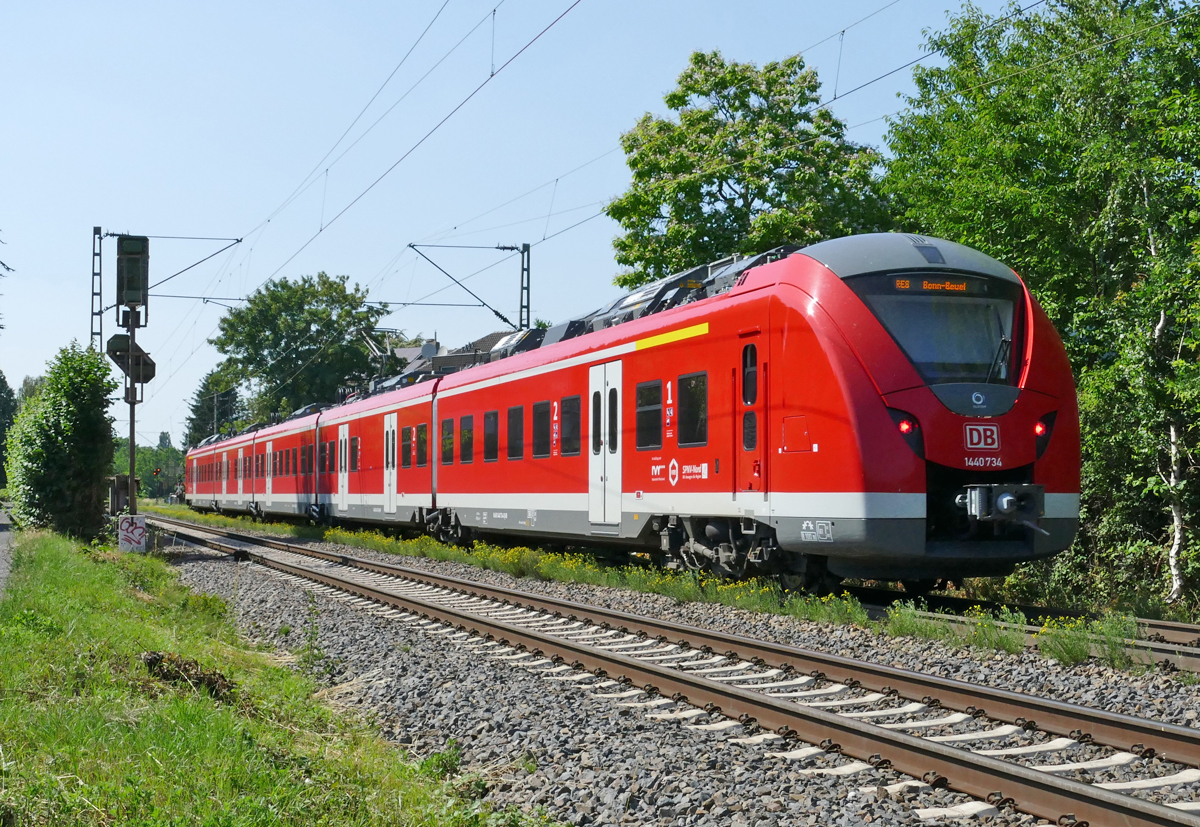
[(133, 306)]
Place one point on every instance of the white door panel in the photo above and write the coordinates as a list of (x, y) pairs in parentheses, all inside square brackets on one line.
[(269, 470), (389, 463), (343, 465), (604, 443)]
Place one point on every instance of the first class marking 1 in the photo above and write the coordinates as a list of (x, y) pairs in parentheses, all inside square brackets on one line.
[(673, 336)]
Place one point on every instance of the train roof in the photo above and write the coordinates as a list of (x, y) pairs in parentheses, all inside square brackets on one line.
[(855, 255)]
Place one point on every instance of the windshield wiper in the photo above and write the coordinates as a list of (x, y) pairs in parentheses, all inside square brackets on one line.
[(1002, 351)]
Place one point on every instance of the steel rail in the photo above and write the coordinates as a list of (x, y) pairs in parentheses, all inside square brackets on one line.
[(1062, 800), (1125, 732)]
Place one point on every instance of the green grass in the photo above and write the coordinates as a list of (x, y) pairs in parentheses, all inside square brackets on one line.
[(1074, 641), (89, 736)]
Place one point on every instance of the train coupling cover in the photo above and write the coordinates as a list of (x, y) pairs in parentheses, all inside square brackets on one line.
[(1016, 503)]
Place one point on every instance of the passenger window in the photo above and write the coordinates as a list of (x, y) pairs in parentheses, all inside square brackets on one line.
[(516, 432), (612, 420), (649, 415), (321, 456), (406, 447), (491, 436), (447, 441), (693, 410), (749, 374), (569, 428), (597, 436), (422, 445), (749, 431), (353, 453), (541, 429), (333, 453), (466, 439)]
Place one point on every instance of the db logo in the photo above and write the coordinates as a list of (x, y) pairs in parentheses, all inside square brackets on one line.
[(982, 437)]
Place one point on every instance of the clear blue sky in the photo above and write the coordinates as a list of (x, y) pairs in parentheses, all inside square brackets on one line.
[(163, 119)]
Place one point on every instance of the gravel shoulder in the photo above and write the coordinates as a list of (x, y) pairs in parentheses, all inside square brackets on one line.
[(541, 744)]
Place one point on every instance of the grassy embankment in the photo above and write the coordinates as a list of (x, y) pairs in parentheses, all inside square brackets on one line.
[(1067, 643), (91, 734)]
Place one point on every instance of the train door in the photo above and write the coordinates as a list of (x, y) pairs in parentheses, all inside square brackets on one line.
[(389, 464), (224, 474), (604, 460), (750, 403), (269, 470), (342, 465)]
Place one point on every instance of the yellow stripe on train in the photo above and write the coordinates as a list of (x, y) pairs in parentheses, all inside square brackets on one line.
[(673, 336)]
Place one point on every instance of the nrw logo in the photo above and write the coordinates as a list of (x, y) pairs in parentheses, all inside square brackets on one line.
[(980, 436)]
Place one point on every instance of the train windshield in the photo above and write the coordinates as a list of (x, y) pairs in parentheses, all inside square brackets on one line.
[(953, 328)]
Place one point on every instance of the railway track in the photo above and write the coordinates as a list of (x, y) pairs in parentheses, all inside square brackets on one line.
[(1150, 630), (991, 744)]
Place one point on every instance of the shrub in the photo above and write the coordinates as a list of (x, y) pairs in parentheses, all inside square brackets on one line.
[(1004, 632), (904, 619), (60, 448)]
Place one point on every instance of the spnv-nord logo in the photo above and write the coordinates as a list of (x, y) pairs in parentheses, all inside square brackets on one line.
[(981, 436)]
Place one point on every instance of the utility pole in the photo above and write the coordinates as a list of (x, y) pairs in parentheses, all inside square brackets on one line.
[(97, 292), (524, 320)]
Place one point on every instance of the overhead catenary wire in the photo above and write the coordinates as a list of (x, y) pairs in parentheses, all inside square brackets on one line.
[(427, 135)]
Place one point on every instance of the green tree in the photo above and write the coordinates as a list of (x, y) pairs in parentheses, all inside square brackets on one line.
[(60, 447), (1067, 143), (297, 342), (30, 386), (8, 410), (164, 458), (751, 162), (216, 403)]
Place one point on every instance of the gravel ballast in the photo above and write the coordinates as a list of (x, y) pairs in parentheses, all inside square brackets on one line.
[(544, 744), (1153, 694)]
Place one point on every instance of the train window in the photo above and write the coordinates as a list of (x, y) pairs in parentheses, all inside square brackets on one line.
[(466, 439), (353, 453), (749, 374), (649, 415), (333, 456), (749, 431), (516, 432), (597, 410), (287, 462), (613, 413), (422, 445), (448, 441), (321, 456), (406, 447), (541, 429), (570, 426), (693, 410), (491, 436), (295, 465)]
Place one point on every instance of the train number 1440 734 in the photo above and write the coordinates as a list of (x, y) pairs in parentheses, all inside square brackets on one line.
[(982, 462)]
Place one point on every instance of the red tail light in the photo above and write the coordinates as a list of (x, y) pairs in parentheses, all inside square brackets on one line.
[(910, 430), (1042, 432)]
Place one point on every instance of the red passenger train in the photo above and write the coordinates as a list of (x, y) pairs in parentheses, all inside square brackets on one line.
[(881, 406)]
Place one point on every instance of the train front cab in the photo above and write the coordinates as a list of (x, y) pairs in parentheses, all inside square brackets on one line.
[(943, 405)]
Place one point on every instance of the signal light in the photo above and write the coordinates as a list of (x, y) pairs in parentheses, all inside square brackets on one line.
[(906, 426), (157, 471), (1040, 429)]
